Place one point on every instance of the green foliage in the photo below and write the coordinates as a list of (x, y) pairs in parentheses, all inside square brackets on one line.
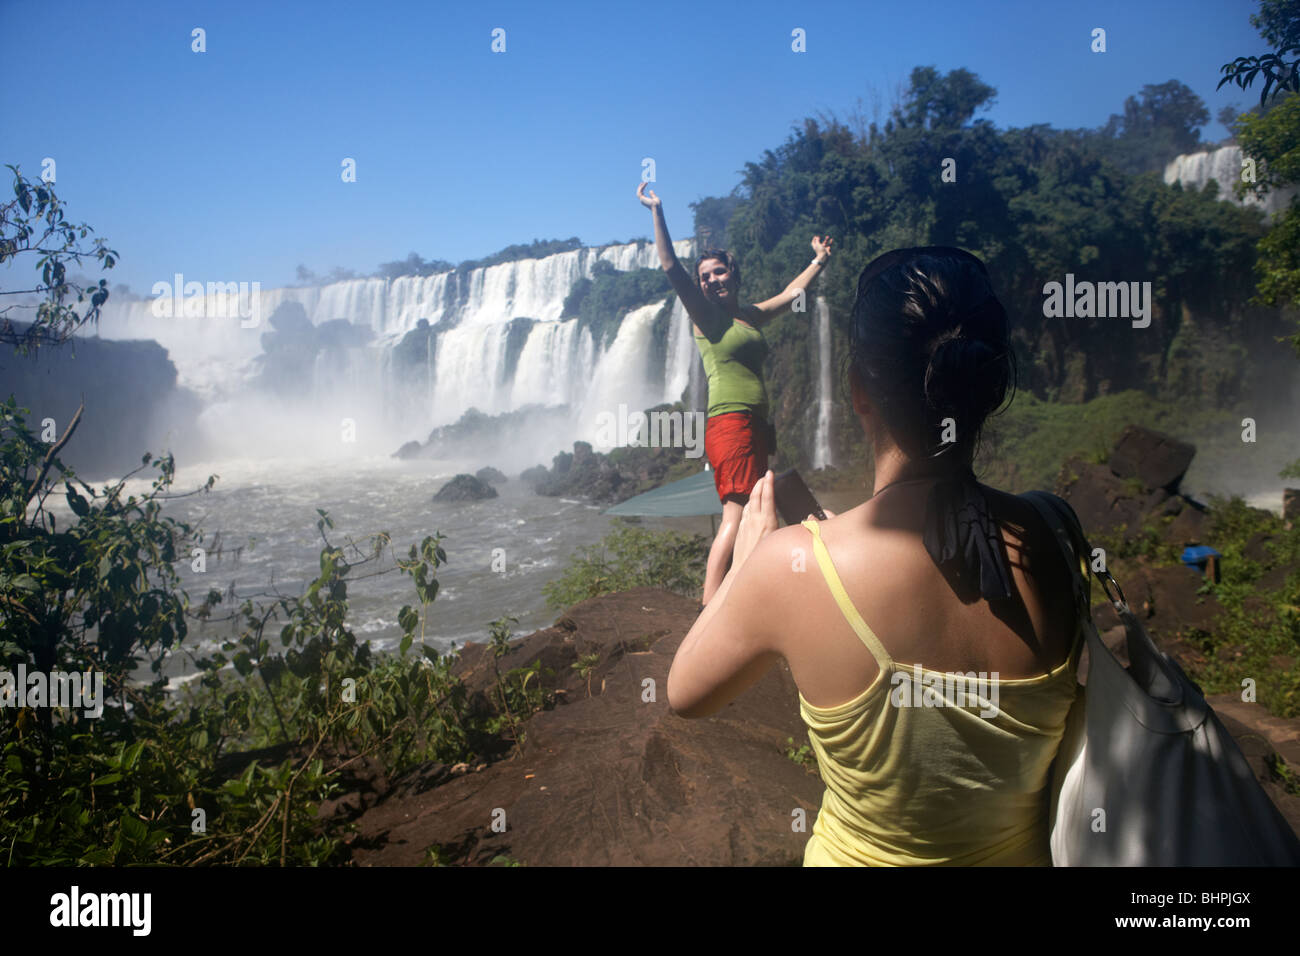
[(33, 221), (519, 691), (631, 557), (537, 249), (258, 740), (1026, 444), (1162, 121), (1257, 627), (1035, 204), (802, 755), (1278, 22), (585, 665), (1272, 139), (415, 265), (1283, 773)]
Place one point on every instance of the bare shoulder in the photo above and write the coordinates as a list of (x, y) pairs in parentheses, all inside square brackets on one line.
[(774, 582)]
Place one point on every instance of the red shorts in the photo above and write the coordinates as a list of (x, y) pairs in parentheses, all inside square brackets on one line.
[(737, 447)]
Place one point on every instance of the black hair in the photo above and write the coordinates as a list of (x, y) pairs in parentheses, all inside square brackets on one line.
[(723, 256), (929, 340)]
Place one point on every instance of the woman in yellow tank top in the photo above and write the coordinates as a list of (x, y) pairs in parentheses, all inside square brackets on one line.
[(932, 636)]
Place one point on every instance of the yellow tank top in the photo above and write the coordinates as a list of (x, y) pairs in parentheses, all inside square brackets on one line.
[(925, 768)]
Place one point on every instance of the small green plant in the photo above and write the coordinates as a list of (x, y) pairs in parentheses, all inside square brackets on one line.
[(803, 756), (437, 855), (1277, 765), (519, 690), (504, 859), (631, 557), (585, 665)]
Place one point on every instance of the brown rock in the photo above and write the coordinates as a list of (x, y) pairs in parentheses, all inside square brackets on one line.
[(1099, 498), (1188, 527), (1175, 605), (1255, 548), (1157, 459), (616, 780)]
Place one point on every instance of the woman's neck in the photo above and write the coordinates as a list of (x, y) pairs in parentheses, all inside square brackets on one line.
[(910, 473)]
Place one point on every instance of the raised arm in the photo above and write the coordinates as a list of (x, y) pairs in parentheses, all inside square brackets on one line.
[(701, 311), (771, 308)]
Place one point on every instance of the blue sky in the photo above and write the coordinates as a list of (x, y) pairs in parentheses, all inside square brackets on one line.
[(225, 165)]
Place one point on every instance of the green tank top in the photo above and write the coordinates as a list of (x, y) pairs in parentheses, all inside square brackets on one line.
[(734, 366)]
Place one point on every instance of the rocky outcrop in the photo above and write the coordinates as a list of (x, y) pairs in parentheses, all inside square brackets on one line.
[(130, 393), (1137, 486), (490, 475), (610, 777), (465, 488), (608, 478)]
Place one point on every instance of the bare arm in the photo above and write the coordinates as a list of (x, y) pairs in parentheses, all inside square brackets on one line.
[(702, 313), (778, 304)]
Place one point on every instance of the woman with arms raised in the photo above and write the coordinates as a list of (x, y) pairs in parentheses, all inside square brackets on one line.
[(738, 437), (934, 636)]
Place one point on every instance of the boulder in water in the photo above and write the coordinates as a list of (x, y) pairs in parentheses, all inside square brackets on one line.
[(490, 475), (465, 488)]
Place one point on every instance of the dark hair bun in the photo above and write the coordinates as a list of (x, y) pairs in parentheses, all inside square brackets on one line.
[(961, 377), (930, 341)]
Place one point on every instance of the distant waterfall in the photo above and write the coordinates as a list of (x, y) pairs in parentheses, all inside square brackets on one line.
[(466, 352), (821, 456), (1195, 170)]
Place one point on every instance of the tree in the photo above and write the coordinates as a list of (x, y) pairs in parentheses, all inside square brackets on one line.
[(33, 221), (1278, 22), (1162, 121), (942, 102), (1272, 138)]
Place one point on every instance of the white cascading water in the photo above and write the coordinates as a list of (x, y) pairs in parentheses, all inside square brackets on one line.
[(1195, 170), (821, 456), (465, 367)]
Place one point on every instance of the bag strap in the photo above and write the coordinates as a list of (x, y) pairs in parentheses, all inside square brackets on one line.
[(1067, 530), (1060, 517)]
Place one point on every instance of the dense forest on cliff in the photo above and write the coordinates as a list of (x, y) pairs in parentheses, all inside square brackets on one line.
[(1036, 204)]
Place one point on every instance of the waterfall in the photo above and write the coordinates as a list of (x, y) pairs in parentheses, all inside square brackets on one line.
[(1195, 170), (821, 456), (622, 374), (469, 356)]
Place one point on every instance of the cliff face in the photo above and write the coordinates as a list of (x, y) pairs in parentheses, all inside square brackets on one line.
[(129, 390)]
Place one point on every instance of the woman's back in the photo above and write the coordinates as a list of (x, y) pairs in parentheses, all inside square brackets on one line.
[(910, 777)]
